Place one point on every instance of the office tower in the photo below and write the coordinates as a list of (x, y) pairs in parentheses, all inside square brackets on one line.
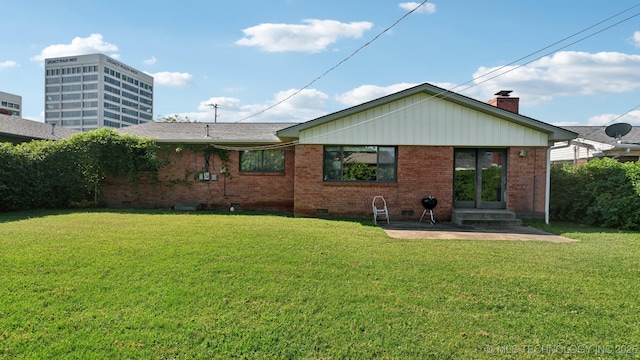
[(87, 92), (10, 104)]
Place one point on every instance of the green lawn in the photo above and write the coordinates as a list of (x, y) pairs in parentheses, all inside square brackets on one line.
[(156, 285)]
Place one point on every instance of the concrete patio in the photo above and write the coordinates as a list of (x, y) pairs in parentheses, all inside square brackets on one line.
[(447, 230)]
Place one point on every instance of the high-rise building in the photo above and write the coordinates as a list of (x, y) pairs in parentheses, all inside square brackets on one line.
[(10, 104), (87, 92)]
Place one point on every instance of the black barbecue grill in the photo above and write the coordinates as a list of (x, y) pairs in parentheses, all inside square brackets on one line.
[(429, 203)]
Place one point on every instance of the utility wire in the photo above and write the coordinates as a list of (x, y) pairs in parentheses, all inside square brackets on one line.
[(258, 147), (476, 78), (550, 46), (335, 66), (446, 93), (561, 48), (546, 54), (621, 115)]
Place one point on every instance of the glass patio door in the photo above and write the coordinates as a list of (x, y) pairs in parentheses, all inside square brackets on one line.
[(480, 178)]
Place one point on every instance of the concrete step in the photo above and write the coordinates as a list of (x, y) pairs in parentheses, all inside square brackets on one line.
[(490, 222), (484, 214), (485, 218)]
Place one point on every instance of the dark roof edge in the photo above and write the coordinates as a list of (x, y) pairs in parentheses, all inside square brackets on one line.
[(215, 141), (21, 136)]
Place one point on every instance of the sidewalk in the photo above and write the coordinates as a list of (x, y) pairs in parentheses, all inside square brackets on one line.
[(444, 230)]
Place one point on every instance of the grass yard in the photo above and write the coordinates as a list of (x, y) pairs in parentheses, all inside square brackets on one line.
[(156, 285)]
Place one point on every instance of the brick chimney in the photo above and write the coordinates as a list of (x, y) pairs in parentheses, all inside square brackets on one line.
[(504, 101)]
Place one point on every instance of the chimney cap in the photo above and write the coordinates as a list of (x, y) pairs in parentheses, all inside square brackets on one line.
[(504, 93)]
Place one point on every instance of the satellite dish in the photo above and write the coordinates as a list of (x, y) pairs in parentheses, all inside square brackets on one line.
[(618, 130)]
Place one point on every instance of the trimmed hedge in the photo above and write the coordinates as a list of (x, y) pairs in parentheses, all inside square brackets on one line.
[(46, 174), (602, 192)]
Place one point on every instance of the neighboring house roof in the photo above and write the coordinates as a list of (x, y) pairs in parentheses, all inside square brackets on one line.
[(597, 134), (592, 141), (234, 133), (554, 133), (17, 129)]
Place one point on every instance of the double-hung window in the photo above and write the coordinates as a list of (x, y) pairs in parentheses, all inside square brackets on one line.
[(360, 163)]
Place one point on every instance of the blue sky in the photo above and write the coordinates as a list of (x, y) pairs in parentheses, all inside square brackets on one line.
[(245, 56)]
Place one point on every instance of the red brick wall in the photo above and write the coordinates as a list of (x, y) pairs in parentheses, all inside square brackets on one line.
[(527, 181), (422, 171), (177, 183)]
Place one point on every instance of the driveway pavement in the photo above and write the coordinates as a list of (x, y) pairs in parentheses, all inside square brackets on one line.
[(444, 230)]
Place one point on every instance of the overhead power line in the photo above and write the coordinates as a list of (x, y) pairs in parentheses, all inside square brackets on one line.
[(445, 93), (621, 115), (546, 54), (550, 46), (336, 66)]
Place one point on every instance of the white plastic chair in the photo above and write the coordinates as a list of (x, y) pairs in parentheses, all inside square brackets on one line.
[(379, 206)]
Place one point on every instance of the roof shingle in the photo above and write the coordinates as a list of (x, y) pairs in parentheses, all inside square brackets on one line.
[(218, 132), (596, 133), (23, 129)]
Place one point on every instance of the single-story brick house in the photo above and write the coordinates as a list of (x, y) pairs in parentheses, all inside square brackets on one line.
[(414, 143)]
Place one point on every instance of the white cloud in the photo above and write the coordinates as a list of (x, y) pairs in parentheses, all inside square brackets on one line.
[(78, 46), (306, 105), (172, 78), (633, 117), (222, 102), (313, 36), (636, 39), (566, 123), (8, 64), (151, 61), (566, 73), (427, 8), (366, 93), (562, 74)]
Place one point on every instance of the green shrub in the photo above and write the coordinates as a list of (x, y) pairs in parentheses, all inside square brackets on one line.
[(46, 174), (602, 192), (563, 181)]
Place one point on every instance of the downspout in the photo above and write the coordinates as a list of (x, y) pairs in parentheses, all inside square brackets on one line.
[(548, 182)]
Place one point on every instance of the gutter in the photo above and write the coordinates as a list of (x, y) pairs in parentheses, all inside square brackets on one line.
[(215, 141), (548, 182), (627, 150)]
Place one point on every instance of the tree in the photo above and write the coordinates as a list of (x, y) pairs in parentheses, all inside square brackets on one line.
[(175, 119)]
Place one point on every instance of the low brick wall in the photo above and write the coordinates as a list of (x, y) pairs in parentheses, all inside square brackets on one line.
[(178, 183)]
